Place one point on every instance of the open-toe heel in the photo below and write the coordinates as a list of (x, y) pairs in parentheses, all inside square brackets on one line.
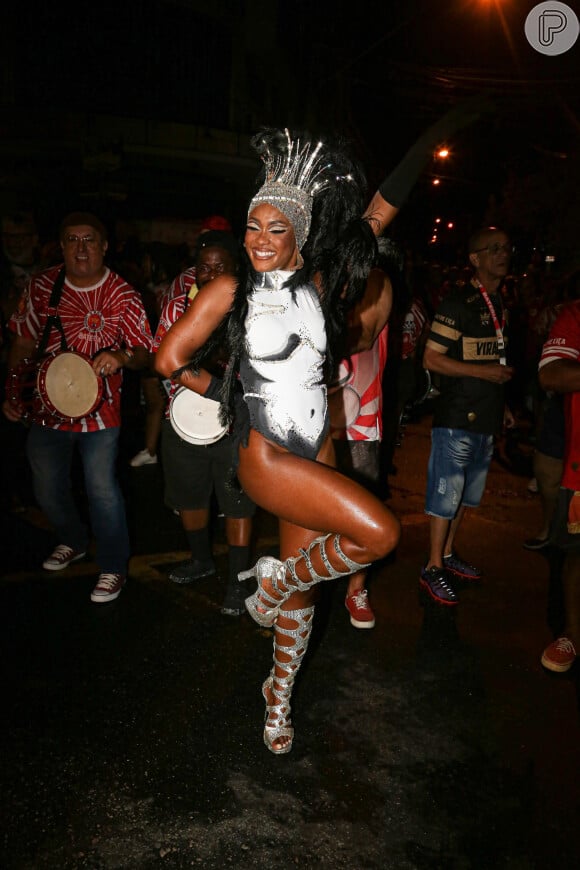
[(282, 728), (262, 606)]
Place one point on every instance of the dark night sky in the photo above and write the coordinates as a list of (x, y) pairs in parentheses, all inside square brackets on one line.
[(411, 68), (378, 70), (400, 63)]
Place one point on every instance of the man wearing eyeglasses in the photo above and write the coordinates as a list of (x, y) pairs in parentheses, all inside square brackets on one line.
[(466, 347), (98, 316)]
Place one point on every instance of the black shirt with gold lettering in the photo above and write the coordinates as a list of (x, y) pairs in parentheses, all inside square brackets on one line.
[(463, 329)]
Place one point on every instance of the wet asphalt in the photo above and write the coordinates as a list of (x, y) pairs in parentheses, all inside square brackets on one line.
[(132, 731)]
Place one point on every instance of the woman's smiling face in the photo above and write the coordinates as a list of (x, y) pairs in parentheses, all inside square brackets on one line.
[(270, 241)]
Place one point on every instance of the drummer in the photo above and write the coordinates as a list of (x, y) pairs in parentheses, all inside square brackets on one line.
[(101, 317), (194, 473)]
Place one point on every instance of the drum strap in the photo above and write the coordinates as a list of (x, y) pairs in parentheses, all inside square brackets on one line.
[(53, 320)]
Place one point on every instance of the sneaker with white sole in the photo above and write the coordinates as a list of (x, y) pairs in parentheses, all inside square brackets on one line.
[(559, 656), (108, 587), (62, 557), (361, 614), (143, 458)]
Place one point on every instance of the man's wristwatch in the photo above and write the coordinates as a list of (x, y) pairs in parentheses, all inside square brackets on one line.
[(128, 353)]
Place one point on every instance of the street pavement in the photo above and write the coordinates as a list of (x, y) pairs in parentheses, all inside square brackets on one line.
[(132, 731)]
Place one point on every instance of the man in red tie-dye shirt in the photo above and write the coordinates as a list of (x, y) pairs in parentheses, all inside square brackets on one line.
[(103, 319)]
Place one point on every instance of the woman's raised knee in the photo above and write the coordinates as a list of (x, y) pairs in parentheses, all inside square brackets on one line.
[(385, 538)]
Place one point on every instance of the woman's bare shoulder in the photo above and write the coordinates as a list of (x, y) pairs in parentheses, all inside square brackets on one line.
[(219, 292)]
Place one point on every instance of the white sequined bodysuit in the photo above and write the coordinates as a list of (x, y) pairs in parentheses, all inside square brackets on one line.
[(282, 369)]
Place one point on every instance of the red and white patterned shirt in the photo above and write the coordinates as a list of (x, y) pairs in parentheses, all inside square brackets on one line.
[(564, 343), (106, 316), (414, 324), (356, 407), (174, 303), (175, 300)]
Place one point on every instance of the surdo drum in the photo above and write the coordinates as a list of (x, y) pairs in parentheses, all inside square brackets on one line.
[(195, 418), (61, 387)]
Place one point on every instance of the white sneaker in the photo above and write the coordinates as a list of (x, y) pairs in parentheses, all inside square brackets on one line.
[(143, 458)]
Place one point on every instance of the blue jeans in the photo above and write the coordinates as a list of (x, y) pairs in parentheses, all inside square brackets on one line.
[(50, 453), (457, 472)]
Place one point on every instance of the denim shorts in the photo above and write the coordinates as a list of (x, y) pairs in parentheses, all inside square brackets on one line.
[(457, 471)]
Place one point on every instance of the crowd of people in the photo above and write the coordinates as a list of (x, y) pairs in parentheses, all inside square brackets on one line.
[(283, 364)]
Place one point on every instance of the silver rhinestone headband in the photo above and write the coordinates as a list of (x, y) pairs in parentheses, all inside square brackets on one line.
[(293, 180)]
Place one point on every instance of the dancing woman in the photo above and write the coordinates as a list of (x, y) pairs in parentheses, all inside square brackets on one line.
[(310, 258)]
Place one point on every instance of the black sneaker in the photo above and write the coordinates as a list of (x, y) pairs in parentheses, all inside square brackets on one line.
[(457, 566), (234, 601), (536, 543), (191, 570), (436, 583)]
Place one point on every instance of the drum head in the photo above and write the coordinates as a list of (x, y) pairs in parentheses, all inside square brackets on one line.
[(195, 418), (68, 385)]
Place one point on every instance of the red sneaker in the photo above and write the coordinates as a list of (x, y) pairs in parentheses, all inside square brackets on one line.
[(361, 615), (559, 656), (62, 557), (108, 587)]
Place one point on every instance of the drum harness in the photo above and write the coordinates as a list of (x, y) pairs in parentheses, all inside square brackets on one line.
[(53, 319)]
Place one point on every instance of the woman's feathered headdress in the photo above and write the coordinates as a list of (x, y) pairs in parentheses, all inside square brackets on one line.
[(293, 178)]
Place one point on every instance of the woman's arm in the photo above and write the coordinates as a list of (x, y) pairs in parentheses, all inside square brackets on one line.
[(192, 330), (379, 213), (396, 187)]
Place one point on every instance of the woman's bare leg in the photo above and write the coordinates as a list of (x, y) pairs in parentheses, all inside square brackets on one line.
[(291, 635), (292, 631), (333, 503), (313, 495)]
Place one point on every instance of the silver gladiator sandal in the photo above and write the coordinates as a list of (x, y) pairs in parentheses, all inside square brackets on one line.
[(278, 723), (264, 606)]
